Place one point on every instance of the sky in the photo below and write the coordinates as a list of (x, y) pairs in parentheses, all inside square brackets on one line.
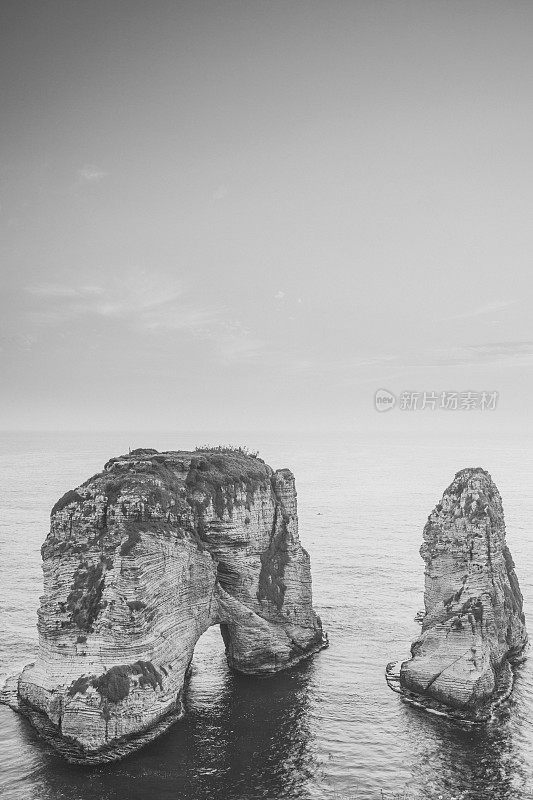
[(253, 215)]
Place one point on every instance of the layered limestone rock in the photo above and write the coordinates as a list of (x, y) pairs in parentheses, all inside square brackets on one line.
[(474, 626), (140, 560)]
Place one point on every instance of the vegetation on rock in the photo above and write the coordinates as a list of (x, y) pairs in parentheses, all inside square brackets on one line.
[(114, 685), (134, 537), (136, 605), (219, 476), (226, 449), (69, 497), (84, 599)]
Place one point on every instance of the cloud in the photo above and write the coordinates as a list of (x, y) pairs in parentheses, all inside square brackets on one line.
[(196, 320), (483, 310), (16, 341), (230, 339), (144, 303), (220, 193), (279, 295), (493, 352), (235, 342), (57, 291), (504, 353), (137, 296), (327, 366), (91, 174), (234, 348), (151, 306)]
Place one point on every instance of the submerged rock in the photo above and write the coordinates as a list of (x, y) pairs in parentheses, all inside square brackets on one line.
[(473, 627), (140, 560)]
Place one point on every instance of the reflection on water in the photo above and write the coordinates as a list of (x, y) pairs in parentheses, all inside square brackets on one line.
[(329, 728), (242, 738), (476, 763)]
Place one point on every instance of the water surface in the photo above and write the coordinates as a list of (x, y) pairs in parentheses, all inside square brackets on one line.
[(329, 728)]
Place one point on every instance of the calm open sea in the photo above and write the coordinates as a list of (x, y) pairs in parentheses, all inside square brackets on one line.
[(330, 728)]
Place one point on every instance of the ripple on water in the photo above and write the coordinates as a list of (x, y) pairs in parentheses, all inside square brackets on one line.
[(330, 727)]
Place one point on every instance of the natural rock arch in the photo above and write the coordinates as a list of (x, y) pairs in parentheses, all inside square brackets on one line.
[(140, 561)]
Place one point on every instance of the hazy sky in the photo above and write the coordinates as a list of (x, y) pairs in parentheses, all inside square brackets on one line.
[(255, 214)]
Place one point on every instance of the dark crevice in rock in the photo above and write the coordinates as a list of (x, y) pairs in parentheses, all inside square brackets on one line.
[(274, 560), (437, 676), (227, 577)]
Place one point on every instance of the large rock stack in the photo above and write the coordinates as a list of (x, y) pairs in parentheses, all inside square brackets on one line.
[(140, 560)]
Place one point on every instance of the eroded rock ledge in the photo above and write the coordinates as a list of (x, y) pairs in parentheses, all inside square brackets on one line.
[(140, 560), (474, 627)]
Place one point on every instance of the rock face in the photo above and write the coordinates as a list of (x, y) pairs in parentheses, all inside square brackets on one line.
[(474, 624), (139, 562)]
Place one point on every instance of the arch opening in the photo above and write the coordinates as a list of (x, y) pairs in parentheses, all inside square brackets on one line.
[(209, 671)]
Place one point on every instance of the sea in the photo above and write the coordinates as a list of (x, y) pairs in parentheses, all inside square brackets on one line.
[(330, 727)]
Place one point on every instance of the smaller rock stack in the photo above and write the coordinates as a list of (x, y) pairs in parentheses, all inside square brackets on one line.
[(474, 626)]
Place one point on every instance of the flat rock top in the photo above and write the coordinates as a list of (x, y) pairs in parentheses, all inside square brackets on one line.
[(145, 470), (235, 463)]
